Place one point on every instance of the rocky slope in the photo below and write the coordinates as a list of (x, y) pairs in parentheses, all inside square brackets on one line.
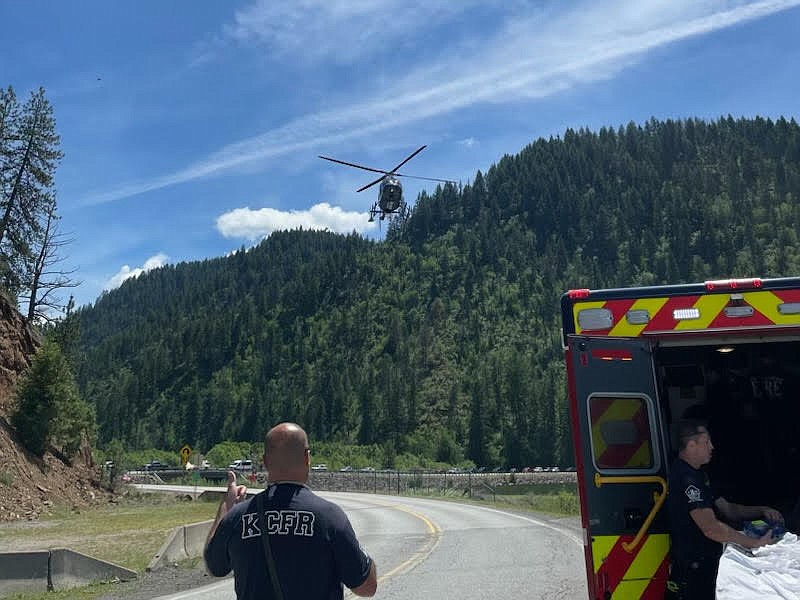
[(30, 485)]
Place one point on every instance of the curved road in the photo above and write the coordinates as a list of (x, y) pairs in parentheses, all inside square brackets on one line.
[(436, 549)]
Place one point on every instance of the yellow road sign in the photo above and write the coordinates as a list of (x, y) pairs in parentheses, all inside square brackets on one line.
[(186, 451)]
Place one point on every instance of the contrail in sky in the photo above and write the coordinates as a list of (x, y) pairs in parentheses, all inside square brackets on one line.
[(512, 67)]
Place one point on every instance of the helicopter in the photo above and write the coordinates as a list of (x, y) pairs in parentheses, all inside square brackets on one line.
[(390, 195)]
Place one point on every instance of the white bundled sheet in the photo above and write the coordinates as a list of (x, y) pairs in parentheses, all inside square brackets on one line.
[(767, 573)]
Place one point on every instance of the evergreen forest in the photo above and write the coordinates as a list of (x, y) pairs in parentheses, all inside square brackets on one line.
[(444, 339)]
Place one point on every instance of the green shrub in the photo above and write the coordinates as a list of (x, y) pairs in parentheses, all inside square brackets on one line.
[(50, 410)]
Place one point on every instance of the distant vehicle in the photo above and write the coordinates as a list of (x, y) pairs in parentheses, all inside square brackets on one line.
[(367, 470), (346, 469), (109, 464), (319, 467), (241, 465), (155, 465), (204, 464), (537, 469)]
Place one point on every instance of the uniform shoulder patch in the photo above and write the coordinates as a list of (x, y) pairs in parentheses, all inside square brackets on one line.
[(693, 493)]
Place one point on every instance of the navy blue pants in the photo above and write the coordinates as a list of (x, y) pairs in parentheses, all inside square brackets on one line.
[(695, 580)]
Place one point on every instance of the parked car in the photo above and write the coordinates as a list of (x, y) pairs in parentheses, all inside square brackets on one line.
[(319, 467)]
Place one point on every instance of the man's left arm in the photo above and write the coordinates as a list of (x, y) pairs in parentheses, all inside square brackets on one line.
[(355, 566)]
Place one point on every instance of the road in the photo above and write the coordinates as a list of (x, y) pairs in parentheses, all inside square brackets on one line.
[(436, 549)]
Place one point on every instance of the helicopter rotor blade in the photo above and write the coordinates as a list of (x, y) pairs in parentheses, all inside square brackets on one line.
[(349, 164), (408, 158), (369, 185), (426, 178)]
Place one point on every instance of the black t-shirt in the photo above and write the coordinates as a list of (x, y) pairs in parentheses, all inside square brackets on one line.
[(689, 489), (313, 545)]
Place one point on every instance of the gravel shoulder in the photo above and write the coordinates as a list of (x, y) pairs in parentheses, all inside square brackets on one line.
[(162, 582)]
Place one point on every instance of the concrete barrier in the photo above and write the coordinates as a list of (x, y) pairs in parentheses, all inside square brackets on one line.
[(24, 571), (186, 541), (71, 569), (56, 569)]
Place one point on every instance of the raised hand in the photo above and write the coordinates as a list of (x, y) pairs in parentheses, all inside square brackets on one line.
[(235, 493)]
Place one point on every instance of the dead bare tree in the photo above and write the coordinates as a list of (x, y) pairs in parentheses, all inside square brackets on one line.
[(41, 292)]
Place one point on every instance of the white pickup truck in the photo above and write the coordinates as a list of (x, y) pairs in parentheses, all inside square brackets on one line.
[(241, 465)]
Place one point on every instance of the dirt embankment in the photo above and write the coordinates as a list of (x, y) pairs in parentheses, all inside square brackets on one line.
[(29, 485)]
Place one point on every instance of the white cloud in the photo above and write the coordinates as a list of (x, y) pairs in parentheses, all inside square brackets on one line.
[(155, 261), (468, 142), (255, 224), (342, 31), (531, 56)]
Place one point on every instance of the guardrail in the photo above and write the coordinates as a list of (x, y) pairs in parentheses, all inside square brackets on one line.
[(385, 482)]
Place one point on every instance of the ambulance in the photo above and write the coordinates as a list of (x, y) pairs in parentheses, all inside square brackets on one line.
[(640, 359)]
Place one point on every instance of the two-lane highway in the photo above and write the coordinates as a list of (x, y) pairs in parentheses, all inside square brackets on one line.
[(436, 549)]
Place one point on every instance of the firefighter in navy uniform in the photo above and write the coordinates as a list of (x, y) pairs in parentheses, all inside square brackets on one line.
[(697, 534), (313, 549)]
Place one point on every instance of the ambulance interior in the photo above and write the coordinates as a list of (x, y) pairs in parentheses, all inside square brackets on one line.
[(749, 394)]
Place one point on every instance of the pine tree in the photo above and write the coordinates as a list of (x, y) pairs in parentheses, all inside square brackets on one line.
[(50, 411)]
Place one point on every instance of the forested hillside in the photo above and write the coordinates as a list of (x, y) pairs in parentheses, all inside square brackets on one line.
[(445, 338)]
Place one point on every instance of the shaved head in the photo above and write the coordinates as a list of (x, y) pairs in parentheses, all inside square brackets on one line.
[(286, 453)]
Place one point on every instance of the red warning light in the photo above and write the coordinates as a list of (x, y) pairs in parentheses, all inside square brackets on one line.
[(577, 294), (733, 284)]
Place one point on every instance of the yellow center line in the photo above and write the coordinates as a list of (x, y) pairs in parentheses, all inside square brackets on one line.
[(435, 536)]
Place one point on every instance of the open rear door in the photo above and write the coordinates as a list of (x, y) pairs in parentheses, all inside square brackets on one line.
[(621, 465)]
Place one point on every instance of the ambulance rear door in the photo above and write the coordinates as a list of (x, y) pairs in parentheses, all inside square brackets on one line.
[(621, 465)]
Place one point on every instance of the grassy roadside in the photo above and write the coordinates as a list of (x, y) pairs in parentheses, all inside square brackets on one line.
[(128, 533), (559, 500)]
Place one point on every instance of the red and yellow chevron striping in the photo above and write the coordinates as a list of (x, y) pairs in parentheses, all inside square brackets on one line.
[(708, 313), (627, 575)]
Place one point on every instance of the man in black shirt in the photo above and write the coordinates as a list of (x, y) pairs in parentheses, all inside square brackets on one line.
[(697, 534), (313, 546)]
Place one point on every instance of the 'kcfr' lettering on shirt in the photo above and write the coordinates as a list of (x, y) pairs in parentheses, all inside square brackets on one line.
[(279, 522)]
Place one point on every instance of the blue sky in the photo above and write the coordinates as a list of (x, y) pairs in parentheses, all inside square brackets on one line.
[(191, 128)]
